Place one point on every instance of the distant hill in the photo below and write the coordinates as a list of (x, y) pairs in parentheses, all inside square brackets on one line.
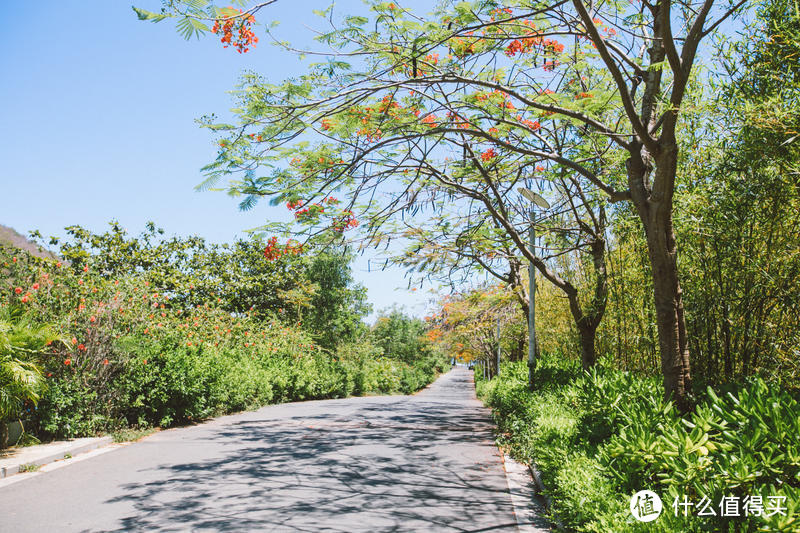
[(10, 236)]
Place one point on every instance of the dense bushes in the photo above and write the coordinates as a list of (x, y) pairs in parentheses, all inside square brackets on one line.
[(600, 437), (21, 342), (162, 343)]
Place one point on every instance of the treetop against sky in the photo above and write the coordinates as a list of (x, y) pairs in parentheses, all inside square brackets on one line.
[(100, 125)]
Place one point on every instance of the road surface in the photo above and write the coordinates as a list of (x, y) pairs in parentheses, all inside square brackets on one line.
[(389, 463)]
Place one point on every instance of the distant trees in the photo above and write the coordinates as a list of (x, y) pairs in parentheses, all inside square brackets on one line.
[(400, 336), (472, 324)]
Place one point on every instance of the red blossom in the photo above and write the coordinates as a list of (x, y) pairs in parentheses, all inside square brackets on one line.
[(294, 204), (236, 32), (430, 120)]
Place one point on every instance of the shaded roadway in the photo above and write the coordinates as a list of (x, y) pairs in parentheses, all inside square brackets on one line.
[(388, 463)]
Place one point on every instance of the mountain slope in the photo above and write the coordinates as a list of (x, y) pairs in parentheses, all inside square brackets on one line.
[(9, 236)]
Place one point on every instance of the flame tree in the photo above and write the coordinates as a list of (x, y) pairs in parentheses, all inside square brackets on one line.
[(458, 105)]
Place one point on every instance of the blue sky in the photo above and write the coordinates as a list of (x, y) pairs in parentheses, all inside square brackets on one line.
[(98, 114)]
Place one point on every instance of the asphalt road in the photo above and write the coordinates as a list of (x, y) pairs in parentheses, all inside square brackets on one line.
[(391, 463)]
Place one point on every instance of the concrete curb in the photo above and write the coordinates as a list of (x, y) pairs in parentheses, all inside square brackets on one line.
[(84, 445), (528, 509), (537, 480)]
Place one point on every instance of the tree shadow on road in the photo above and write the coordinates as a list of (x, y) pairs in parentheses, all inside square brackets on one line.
[(400, 465)]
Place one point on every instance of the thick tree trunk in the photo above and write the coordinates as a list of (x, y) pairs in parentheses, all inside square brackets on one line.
[(655, 212), (587, 335), (670, 318)]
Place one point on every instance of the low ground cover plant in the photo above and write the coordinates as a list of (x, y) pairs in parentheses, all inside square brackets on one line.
[(598, 437)]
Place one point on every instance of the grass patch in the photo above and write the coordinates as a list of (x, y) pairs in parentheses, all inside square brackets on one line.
[(132, 434)]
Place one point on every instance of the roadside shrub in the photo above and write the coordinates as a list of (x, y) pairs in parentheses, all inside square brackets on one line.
[(148, 343), (601, 436), (21, 344), (166, 384), (70, 408)]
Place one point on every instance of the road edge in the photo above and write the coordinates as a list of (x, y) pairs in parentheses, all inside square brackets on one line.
[(64, 453), (528, 510)]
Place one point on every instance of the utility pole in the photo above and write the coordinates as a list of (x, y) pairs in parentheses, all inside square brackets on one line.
[(535, 200), (498, 346)]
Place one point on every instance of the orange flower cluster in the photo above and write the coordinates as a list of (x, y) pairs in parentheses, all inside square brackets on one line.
[(464, 46), (550, 65), (482, 97), (526, 44), (424, 66), (517, 47), (553, 46), (502, 99), (488, 155), (389, 105), (500, 11), (34, 287), (345, 223), (274, 251), (236, 32), (430, 120), (371, 136), (532, 124), (460, 122), (365, 117), (310, 212)]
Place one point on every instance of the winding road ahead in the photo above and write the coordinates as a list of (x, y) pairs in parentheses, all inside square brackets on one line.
[(390, 463)]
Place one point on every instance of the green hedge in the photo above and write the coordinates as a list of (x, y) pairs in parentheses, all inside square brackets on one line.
[(163, 383)]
